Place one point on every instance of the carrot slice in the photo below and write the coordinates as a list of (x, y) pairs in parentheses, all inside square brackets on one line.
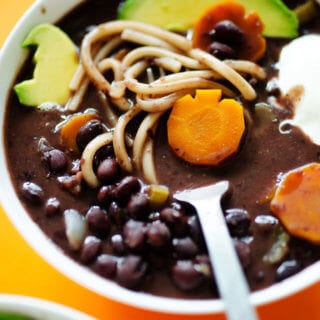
[(69, 130), (297, 202), (204, 130), (253, 45)]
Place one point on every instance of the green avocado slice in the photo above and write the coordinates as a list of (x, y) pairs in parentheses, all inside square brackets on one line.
[(56, 60), (179, 15)]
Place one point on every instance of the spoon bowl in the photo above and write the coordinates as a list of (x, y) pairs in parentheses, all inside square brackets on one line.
[(228, 272)]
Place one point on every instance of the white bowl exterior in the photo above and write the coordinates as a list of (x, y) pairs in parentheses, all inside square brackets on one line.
[(11, 59), (39, 309)]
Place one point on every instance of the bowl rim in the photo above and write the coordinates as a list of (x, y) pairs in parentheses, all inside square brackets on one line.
[(11, 56), (38, 308)]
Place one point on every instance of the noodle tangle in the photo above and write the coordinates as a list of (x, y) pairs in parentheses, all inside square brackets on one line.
[(142, 69)]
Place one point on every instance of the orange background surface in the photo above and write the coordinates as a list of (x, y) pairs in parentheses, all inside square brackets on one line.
[(22, 271)]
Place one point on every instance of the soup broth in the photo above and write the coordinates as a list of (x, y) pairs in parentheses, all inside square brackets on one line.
[(159, 249)]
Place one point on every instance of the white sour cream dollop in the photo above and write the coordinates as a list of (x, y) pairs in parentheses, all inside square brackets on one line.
[(299, 79)]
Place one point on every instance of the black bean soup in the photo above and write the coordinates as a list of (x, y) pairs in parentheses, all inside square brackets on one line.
[(160, 251)]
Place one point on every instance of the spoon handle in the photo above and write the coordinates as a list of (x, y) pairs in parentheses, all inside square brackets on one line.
[(228, 272)]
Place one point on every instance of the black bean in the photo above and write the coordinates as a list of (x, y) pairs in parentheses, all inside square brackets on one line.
[(105, 195), (91, 247), (52, 206), (175, 220), (134, 234), (170, 215), (117, 243), (138, 206), (126, 187), (266, 223), (158, 234), (195, 228), (238, 221), (222, 51), (226, 31), (32, 192), (116, 213), (154, 216), (108, 170), (131, 271), (98, 221), (243, 251), (106, 265), (103, 153), (287, 269), (56, 160), (178, 206), (184, 247), (88, 132), (185, 276)]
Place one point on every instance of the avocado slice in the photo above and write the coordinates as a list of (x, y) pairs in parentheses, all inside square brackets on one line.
[(56, 60), (179, 15)]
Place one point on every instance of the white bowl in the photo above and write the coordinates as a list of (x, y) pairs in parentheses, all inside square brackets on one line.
[(38, 309), (12, 57)]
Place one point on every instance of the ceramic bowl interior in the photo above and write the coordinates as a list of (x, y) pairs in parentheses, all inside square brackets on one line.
[(38, 309), (12, 58)]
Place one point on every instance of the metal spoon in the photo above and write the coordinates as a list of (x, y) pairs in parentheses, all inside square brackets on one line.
[(228, 272)]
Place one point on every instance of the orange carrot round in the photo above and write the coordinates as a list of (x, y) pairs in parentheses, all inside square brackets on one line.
[(253, 45), (297, 202), (69, 130), (204, 130)]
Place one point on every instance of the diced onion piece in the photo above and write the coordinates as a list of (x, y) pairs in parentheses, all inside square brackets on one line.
[(75, 228), (279, 248)]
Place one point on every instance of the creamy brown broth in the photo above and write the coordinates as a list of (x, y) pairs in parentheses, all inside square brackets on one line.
[(253, 173)]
